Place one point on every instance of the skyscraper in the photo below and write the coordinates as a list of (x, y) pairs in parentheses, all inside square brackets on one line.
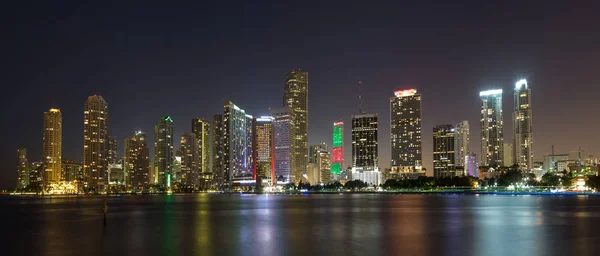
[(52, 146), (22, 169), (444, 151), (111, 156), (365, 163), (337, 156), (163, 151), (405, 116), (364, 142), (313, 150), (201, 128), (190, 160), (265, 148), (283, 131), (324, 166), (522, 125), (238, 144), (95, 144), (137, 161), (461, 143), (492, 136), (218, 150), (296, 97)]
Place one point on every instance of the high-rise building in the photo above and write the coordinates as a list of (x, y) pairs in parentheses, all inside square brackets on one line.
[(201, 128), (265, 148), (337, 156), (364, 142), (137, 161), (471, 165), (218, 150), (324, 166), (283, 132), (444, 151), (52, 146), (313, 150), (461, 143), (296, 97), (405, 116), (36, 170), (22, 169), (95, 143), (508, 154), (365, 164), (111, 156), (71, 171), (238, 127), (163, 151), (492, 136), (190, 160), (116, 175), (522, 126), (313, 174)]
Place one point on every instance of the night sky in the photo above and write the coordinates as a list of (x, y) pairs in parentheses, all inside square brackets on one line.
[(149, 59)]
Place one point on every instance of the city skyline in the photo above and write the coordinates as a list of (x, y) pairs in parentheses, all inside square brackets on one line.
[(384, 64)]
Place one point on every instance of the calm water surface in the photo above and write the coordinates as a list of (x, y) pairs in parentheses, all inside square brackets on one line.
[(302, 225)]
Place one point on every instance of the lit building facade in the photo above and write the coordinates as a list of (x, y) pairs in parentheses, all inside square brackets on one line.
[(365, 163), (201, 128), (522, 127), (324, 166), (461, 143), (71, 171), (337, 155), (22, 169), (112, 145), (190, 160), (472, 165), (296, 98), (95, 143), (163, 151), (265, 148), (405, 117), (364, 142), (136, 164), (238, 133), (492, 125), (283, 132), (218, 150), (313, 150), (52, 145), (444, 151)]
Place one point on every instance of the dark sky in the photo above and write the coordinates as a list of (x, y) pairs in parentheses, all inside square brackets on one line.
[(155, 58)]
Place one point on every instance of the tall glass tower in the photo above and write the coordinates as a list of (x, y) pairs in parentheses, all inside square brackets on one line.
[(163, 151), (522, 127), (405, 117), (95, 143), (296, 97), (52, 146), (492, 136)]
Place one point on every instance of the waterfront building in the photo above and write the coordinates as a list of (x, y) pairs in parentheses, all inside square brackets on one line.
[(163, 151), (405, 118), (295, 97), (492, 125), (95, 143), (52, 146), (522, 127)]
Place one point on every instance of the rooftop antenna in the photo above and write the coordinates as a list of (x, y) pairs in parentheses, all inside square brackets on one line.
[(359, 98)]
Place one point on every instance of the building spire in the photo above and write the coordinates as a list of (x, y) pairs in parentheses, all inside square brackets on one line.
[(359, 98)]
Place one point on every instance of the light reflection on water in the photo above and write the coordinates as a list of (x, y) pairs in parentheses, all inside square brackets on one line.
[(303, 224)]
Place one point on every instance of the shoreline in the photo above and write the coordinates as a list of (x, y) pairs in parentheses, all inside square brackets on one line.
[(408, 192)]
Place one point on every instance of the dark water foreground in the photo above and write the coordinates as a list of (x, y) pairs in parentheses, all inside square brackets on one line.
[(350, 224)]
